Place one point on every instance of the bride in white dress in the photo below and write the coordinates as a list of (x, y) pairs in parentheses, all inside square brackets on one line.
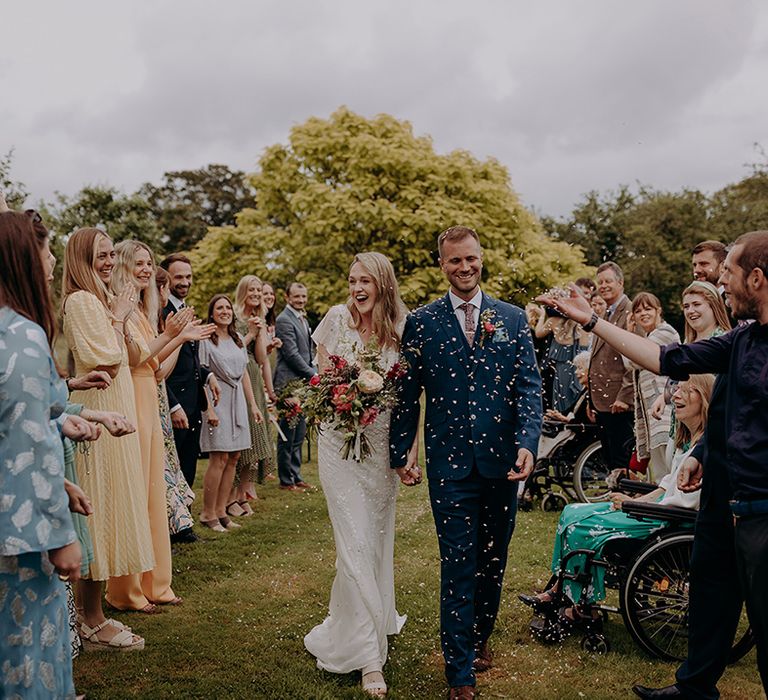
[(360, 495)]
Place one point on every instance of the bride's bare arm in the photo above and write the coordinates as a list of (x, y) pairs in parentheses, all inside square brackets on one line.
[(322, 358)]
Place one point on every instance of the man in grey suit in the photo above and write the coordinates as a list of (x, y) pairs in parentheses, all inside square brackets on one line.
[(294, 360)]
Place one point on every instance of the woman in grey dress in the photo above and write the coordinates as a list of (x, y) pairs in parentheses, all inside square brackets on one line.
[(225, 430)]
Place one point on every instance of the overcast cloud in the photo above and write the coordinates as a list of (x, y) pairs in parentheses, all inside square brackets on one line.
[(570, 95)]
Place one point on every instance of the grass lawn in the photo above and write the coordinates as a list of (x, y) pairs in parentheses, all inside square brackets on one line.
[(250, 596)]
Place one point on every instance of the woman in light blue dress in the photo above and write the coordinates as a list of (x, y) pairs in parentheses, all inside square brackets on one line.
[(37, 538)]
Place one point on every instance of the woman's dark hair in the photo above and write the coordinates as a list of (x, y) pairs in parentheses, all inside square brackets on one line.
[(231, 327), (23, 283)]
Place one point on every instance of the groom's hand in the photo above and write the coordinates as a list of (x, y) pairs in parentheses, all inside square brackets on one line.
[(410, 474), (523, 466)]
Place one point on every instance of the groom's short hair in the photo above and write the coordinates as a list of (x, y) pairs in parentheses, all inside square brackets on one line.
[(455, 233)]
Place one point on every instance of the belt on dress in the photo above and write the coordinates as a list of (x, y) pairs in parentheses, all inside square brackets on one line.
[(742, 509)]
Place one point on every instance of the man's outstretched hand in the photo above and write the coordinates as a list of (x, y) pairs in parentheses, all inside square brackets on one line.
[(523, 466)]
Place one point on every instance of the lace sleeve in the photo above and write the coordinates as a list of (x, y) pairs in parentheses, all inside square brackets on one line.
[(328, 332)]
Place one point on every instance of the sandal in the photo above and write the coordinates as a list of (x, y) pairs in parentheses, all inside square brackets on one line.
[(247, 510), (178, 600), (214, 525), (235, 509), (571, 617), (228, 524), (376, 685), (123, 640), (149, 609)]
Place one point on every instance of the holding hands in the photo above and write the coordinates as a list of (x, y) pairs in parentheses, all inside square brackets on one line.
[(80, 430), (95, 379), (689, 476)]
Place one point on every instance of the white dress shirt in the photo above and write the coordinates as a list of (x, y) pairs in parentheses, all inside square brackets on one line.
[(476, 301)]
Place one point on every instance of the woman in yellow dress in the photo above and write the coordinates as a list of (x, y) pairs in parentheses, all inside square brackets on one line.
[(110, 471), (135, 271)]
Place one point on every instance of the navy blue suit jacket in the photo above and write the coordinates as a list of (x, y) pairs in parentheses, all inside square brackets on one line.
[(482, 402)]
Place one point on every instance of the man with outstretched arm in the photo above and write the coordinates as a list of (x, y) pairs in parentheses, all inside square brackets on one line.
[(731, 466)]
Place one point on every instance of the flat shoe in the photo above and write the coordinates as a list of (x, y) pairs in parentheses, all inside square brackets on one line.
[(228, 524), (235, 509), (214, 525), (375, 687), (246, 508), (123, 640)]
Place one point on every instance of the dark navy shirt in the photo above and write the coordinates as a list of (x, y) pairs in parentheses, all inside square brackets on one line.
[(742, 355)]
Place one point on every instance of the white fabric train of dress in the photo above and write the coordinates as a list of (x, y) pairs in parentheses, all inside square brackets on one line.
[(361, 505)]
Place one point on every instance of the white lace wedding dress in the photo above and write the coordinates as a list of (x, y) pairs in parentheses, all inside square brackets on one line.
[(361, 505)]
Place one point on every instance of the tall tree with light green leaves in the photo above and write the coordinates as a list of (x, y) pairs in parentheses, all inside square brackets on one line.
[(349, 184)]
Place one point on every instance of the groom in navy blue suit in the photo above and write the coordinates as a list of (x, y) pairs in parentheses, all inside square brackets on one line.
[(473, 357)]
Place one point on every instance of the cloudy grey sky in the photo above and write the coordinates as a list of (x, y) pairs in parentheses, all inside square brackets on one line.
[(571, 95)]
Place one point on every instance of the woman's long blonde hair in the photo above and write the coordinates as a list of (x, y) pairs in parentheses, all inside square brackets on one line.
[(149, 301), (242, 292), (702, 384), (709, 293), (389, 309), (79, 258)]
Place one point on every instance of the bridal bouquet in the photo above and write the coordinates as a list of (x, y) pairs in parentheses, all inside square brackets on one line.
[(350, 396), (288, 406)]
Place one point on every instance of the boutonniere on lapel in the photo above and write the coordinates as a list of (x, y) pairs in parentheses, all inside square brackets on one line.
[(491, 328)]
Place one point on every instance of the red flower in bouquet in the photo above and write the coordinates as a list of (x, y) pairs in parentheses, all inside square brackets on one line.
[(369, 415), (342, 396), (338, 362), (396, 371), (489, 328), (315, 380)]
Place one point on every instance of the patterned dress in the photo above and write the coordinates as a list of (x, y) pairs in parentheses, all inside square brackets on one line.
[(258, 460), (35, 655), (178, 494), (594, 525)]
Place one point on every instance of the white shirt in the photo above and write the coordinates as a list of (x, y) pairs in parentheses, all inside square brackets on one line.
[(300, 315), (476, 301), (177, 303)]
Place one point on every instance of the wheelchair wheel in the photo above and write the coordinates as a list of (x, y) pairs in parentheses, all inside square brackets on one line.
[(589, 475), (654, 597), (553, 502), (595, 644)]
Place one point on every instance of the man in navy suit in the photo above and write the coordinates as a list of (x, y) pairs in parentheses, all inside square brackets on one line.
[(473, 356), (185, 384)]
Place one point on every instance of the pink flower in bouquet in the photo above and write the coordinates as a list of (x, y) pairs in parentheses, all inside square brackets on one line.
[(369, 415), (315, 380), (370, 382), (489, 328), (342, 397)]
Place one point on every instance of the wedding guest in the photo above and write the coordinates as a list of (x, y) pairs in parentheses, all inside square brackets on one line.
[(178, 494), (595, 526), (610, 383), (268, 295), (110, 472), (225, 430), (707, 260), (186, 383), (294, 360), (258, 460), (598, 304), (134, 271), (706, 315), (38, 541), (651, 432)]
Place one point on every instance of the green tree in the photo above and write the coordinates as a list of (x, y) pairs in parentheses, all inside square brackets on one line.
[(122, 216), (650, 234), (741, 207), (348, 184), (15, 192), (189, 201)]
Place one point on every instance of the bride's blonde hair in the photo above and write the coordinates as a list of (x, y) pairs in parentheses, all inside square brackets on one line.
[(389, 309)]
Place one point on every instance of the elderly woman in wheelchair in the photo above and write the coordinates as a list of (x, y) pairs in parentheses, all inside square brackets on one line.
[(588, 533)]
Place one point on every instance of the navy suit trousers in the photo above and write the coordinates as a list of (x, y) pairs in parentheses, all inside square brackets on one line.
[(475, 518)]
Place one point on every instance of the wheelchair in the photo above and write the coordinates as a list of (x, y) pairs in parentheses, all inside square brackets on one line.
[(569, 466), (652, 578)]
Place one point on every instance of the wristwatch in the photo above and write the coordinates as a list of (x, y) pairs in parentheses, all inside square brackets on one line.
[(589, 325)]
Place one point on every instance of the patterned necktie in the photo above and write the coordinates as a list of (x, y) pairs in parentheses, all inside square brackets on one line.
[(469, 321)]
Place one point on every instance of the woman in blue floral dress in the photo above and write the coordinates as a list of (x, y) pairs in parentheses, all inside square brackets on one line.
[(37, 538)]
